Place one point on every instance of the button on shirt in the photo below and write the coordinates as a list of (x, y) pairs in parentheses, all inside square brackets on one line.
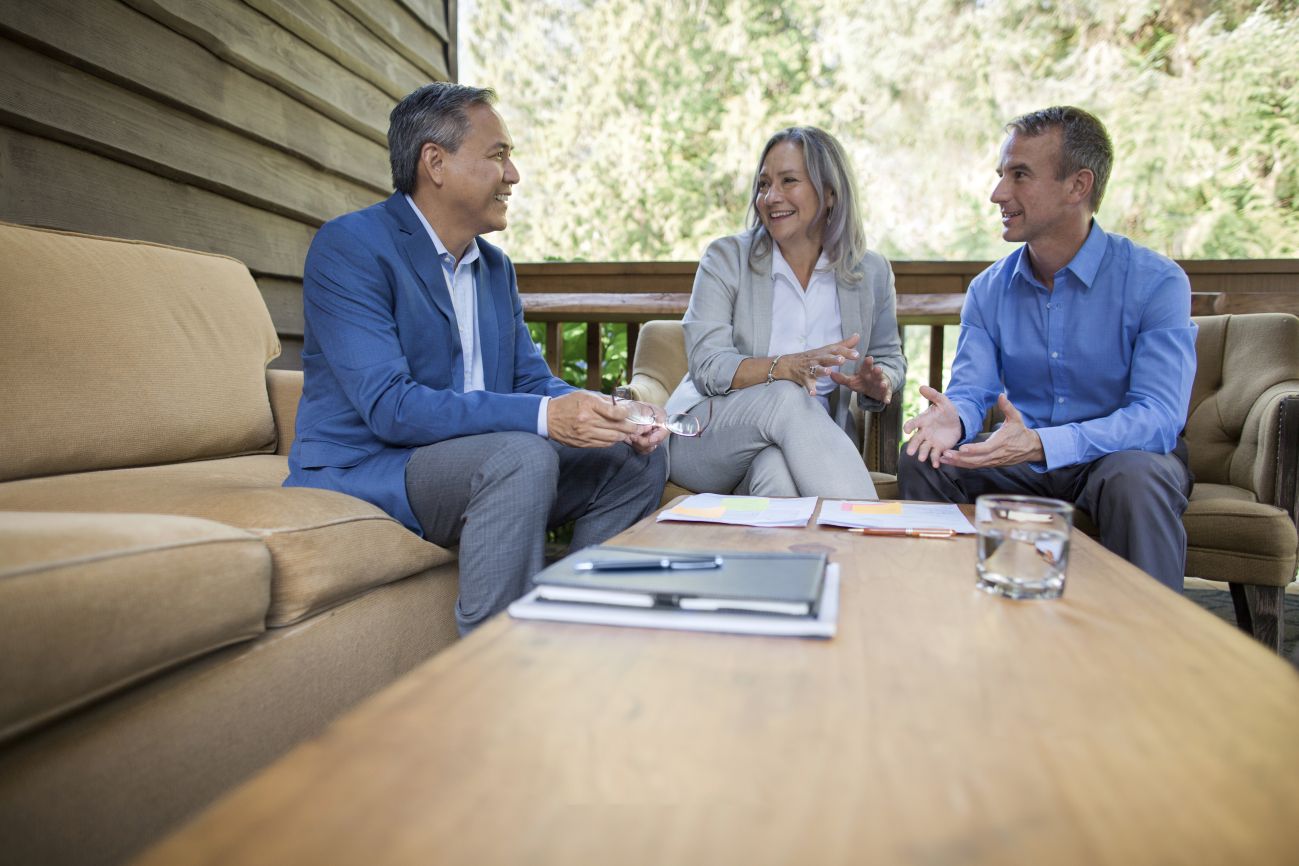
[(804, 319), (1103, 362), (461, 280)]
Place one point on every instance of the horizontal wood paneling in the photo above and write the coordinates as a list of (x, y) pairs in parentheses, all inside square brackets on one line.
[(58, 101), (243, 37), (46, 183), (116, 42), (420, 38), (231, 126), (342, 38)]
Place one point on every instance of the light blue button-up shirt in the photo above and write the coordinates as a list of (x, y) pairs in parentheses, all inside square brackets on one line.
[(1103, 362), (462, 283)]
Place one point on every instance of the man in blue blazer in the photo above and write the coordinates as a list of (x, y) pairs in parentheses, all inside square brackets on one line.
[(423, 391)]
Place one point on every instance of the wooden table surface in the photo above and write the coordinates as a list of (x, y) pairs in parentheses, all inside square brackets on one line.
[(1118, 725)]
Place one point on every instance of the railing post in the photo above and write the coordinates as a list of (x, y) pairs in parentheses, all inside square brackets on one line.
[(555, 346), (936, 357), (593, 356)]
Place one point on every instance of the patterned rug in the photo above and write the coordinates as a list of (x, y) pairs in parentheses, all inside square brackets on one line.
[(1217, 601)]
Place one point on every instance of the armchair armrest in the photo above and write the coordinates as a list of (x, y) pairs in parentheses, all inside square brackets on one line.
[(284, 387), (881, 434), (647, 389)]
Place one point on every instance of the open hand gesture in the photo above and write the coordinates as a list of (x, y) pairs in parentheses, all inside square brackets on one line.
[(868, 379), (937, 429), (1013, 442), (805, 367)]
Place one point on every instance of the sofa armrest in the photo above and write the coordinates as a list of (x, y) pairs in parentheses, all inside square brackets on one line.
[(1286, 493), (284, 387)]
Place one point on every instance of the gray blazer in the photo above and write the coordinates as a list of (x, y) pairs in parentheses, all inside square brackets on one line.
[(729, 320)]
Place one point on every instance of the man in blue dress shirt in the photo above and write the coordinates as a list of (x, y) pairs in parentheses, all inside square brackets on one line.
[(1084, 341), (423, 392)]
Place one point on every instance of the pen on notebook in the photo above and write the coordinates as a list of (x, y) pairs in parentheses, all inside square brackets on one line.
[(666, 563), (905, 533)]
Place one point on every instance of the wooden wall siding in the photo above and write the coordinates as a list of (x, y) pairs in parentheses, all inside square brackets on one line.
[(233, 126)]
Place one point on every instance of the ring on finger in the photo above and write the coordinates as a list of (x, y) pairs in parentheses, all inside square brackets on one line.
[(811, 370)]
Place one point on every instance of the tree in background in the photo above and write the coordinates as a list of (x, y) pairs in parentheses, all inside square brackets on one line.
[(638, 123)]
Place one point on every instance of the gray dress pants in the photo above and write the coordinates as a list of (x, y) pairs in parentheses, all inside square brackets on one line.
[(770, 440), (496, 494), (1136, 499)]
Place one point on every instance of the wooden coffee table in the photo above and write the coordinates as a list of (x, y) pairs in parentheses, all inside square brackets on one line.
[(1120, 724)]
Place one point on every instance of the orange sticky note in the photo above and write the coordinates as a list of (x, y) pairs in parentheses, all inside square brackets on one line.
[(873, 507), (708, 513)]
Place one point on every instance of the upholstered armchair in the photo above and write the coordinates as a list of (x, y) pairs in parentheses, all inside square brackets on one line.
[(1242, 431)]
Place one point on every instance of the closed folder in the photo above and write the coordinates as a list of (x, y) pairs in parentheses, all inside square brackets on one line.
[(773, 583)]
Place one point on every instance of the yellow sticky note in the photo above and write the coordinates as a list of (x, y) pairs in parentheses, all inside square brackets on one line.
[(744, 503), (873, 507), (707, 513)]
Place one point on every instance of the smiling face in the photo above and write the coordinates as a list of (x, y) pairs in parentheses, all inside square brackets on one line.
[(1035, 205), (478, 178), (786, 200)]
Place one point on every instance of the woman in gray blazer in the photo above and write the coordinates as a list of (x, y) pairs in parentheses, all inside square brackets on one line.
[(787, 321)]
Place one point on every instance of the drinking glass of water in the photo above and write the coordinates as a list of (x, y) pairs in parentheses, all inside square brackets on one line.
[(1023, 545)]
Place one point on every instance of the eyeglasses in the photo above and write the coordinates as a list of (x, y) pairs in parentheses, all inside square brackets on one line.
[(648, 416)]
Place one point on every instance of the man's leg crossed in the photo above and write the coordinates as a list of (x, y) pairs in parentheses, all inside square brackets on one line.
[(492, 494)]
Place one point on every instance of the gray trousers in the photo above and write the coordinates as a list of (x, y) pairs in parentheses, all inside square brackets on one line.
[(770, 440), (496, 494), (1136, 499)]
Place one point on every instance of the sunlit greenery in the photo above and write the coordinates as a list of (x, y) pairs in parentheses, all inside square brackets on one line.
[(637, 124)]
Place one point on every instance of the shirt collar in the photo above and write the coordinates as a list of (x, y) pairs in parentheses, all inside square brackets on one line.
[(1085, 263), (471, 252), (781, 268)]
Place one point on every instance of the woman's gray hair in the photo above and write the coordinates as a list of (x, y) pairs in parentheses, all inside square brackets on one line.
[(436, 113), (828, 169), (1084, 143)]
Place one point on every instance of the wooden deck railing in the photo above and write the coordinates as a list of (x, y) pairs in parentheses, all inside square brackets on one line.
[(929, 294)]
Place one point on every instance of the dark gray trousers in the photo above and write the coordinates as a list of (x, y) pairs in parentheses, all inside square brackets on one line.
[(1136, 499), (496, 494)]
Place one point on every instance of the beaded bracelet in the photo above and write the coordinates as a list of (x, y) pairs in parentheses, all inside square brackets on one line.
[(772, 369)]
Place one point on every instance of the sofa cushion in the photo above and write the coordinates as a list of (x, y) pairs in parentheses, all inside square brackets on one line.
[(121, 353), (326, 547), (1231, 537), (90, 603)]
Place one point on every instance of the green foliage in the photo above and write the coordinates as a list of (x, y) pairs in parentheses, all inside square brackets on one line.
[(614, 366), (638, 124)]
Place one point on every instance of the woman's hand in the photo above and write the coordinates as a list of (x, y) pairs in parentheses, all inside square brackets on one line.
[(805, 367), (869, 380)]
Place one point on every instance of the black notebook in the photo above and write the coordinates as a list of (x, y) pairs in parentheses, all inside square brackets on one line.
[(776, 583)]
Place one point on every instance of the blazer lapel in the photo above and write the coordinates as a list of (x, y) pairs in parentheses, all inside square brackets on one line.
[(422, 257), (760, 291), (851, 299)]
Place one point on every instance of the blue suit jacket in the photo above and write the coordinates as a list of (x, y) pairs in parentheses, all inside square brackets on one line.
[(383, 369)]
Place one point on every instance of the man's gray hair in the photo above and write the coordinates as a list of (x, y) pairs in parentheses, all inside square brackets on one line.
[(1085, 143), (828, 168), (436, 113)]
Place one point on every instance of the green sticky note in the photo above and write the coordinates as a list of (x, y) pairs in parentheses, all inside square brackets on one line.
[(745, 503)]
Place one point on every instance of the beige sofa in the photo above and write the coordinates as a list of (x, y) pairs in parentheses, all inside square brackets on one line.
[(171, 618)]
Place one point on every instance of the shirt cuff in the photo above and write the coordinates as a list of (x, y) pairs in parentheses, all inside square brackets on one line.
[(1058, 446), (543, 429)]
